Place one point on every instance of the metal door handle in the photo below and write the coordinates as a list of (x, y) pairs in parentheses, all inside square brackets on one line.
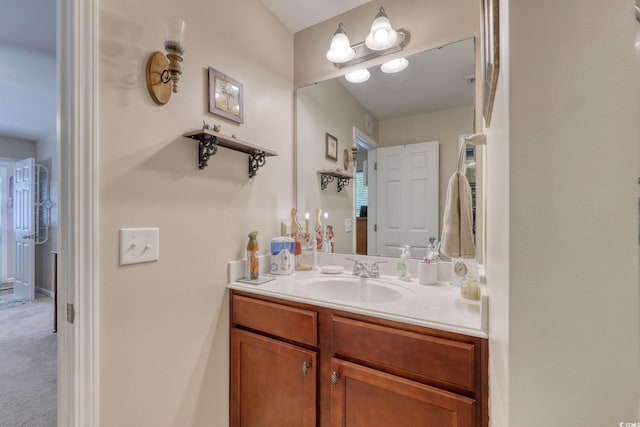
[(334, 378), (305, 368)]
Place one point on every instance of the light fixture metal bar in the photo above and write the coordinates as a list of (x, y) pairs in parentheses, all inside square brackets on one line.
[(363, 53)]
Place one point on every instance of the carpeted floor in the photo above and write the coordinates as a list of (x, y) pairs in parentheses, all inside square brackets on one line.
[(28, 365), (8, 301)]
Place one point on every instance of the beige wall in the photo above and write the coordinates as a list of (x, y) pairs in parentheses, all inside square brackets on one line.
[(326, 107), (444, 126), (164, 325), (16, 148), (565, 108)]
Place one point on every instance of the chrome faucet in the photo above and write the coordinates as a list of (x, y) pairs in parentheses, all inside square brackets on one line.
[(360, 269)]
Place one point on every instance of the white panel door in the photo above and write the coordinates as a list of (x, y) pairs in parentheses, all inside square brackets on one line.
[(408, 193), (23, 222)]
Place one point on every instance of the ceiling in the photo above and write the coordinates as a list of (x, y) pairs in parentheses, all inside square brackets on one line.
[(300, 14), (27, 68)]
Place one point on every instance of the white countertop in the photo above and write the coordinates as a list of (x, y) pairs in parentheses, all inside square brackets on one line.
[(437, 306)]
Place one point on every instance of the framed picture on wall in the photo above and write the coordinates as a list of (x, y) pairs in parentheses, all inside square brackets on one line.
[(225, 96), (331, 151)]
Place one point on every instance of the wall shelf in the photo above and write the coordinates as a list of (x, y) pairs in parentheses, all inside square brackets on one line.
[(209, 141), (327, 176)]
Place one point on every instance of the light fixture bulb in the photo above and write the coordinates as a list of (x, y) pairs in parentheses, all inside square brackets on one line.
[(340, 50), (382, 36), (394, 66), (358, 76)]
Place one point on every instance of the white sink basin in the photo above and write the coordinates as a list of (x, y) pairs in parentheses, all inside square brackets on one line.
[(354, 290)]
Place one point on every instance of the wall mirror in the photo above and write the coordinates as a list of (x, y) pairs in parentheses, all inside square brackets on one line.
[(405, 127)]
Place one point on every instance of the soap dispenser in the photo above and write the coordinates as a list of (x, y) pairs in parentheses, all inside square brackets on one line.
[(403, 266)]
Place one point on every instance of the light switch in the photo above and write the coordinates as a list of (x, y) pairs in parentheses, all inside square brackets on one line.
[(139, 245), (347, 225)]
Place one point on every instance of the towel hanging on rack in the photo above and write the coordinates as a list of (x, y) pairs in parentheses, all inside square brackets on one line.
[(457, 228)]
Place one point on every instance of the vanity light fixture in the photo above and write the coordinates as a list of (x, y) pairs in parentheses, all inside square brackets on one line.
[(382, 35), (163, 72), (394, 66), (358, 76), (382, 40)]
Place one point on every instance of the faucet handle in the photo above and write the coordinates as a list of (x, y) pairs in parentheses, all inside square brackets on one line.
[(357, 266), (374, 269)]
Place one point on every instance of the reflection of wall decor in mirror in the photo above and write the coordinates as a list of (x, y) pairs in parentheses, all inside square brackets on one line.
[(225, 96), (490, 54), (331, 151)]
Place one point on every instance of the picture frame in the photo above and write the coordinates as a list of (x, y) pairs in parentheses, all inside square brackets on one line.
[(226, 96), (331, 148), (490, 54)]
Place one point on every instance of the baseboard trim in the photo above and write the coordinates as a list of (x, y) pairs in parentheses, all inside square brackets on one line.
[(46, 292)]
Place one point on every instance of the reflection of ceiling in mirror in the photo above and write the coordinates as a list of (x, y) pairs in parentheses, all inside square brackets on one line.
[(434, 80)]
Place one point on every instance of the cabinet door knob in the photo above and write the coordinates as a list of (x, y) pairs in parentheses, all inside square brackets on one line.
[(305, 368), (334, 378)]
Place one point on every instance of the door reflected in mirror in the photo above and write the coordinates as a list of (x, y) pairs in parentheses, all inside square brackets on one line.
[(406, 127)]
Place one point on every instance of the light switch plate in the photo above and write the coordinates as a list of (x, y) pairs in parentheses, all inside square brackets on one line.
[(347, 225), (139, 245)]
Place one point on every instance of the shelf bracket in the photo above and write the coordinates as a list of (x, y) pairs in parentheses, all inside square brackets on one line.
[(325, 179), (207, 147), (342, 182), (257, 159)]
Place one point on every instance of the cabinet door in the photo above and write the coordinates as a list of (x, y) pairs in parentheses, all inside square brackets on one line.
[(364, 397), (273, 384)]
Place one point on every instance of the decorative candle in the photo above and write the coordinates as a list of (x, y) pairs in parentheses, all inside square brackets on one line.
[(326, 216), (318, 221), (306, 224)]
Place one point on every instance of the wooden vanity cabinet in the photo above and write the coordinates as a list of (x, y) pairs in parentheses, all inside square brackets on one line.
[(364, 397), (273, 382), (298, 365)]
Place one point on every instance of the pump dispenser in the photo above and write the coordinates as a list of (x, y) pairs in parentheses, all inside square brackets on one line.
[(403, 267)]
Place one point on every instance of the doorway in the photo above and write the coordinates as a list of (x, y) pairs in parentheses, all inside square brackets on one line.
[(28, 134), (28, 231), (365, 194)]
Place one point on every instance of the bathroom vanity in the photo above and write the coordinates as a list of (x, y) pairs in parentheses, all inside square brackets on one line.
[(302, 358)]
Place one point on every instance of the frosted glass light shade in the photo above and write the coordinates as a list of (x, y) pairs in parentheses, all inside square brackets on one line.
[(394, 66), (174, 35), (358, 76), (340, 50), (382, 35)]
